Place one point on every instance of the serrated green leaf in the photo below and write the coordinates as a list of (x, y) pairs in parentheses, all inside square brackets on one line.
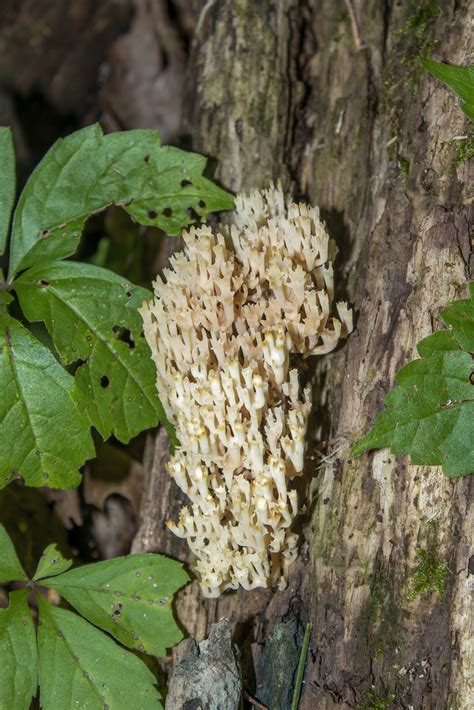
[(87, 171), (91, 314), (18, 654), (130, 597), (460, 317), (79, 666), (51, 563), (430, 414), (45, 437), (10, 567), (459, 79), (442, 341), (7, 183)]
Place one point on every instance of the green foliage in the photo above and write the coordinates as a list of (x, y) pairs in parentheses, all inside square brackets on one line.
[(125, 596), (92, 367), (87, 171), (84, 309), (44, 436), (7, 184), (458, 79), (51, 563), (430, 414), (31, 523), (10, 567), (81, 667), (75, 663), (18, 651)]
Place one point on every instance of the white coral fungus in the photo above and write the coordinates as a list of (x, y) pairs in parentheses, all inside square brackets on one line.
[(233, 308)]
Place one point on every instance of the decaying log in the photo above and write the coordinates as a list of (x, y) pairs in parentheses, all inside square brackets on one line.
[(334, 103), (206, 676)]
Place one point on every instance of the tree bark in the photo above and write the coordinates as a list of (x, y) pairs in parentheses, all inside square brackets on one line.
[(329, 98)]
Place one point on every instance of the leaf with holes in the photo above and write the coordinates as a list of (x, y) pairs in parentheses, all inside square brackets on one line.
[(87, 171), (91, 314), (430, 414), (130, 597), (79, 666), (48, 437), (19, 668), (7, 183), (10, 567), (51, 563), (458, 79)]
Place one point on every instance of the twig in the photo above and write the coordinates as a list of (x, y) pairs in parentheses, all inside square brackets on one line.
[(354, 28), (254, 701), (301, 668)]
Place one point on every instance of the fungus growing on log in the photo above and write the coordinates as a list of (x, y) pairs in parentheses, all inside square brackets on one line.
[(234, 307)]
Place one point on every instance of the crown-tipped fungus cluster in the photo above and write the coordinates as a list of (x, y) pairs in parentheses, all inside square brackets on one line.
[(235, 305)]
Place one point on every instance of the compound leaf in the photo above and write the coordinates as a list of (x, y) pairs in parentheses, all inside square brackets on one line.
[(10, 566), (130, 597), (19, 666), (79, 666), (430, 414), (48, 437), (91, 314), (87, 171), (458, 79), (51, 563), (7, 183)]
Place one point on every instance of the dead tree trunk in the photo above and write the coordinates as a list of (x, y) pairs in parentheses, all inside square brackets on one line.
[(329, 98)]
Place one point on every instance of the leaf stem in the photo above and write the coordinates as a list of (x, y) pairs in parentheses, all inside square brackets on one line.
[(301, 668)]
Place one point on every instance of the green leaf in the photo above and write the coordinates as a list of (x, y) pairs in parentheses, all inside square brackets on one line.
[(130, 597), (45, 437), (460, 316), (79, 666), (430, 415), (91, 314), (5, 298), (51, 563), (459, 79), (7, 183), (10, 567), (87, 171), (19, 663)]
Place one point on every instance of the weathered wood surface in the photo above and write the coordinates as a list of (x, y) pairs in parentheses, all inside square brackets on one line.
[(207, 675), (328, 97)]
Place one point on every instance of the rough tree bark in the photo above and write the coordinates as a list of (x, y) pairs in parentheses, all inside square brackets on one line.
[(326, 96), (329, 98)]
